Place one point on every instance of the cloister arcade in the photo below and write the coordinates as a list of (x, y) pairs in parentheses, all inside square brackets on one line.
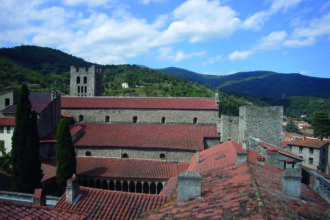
[(135, 186)]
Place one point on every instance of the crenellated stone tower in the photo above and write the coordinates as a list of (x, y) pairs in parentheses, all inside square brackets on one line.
[(85, 82)]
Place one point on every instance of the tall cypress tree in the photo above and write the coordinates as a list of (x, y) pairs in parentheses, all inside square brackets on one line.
[(66, 164), (26, 169)]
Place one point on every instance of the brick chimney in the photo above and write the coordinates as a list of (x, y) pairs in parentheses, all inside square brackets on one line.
[(291, 182), (189, 186), (241, 157), (261, 161), (72, 190), (39, 197)]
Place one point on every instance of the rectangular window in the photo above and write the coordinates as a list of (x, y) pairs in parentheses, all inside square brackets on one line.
[(300, 149), (7, 102), (311, 150), (1, 129), (8, 129), (310, 161), (2, 145), (290, 148)]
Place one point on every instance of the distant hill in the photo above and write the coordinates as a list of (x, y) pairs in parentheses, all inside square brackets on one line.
[(263, 83)]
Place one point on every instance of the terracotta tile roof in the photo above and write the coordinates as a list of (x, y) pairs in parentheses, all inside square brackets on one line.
[(280, 206), (281, 150), (185, 137), (10, 210), (104, 204), (49, 169), (238, 191), (127, 168), (7, 121), (138, 103), (74, 129), (39, 102), (309, 143)]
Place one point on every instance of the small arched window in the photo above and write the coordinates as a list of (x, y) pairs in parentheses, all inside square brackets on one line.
[(78, 89), (78, 79), (85, 79), (195, 120), (88, 153), (85, 89), (135, 119), (81, 118), (124, 155), (163, 120), (162, 156), (107, 119)]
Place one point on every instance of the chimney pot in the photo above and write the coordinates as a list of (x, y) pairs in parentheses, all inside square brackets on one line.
[(39, 197), (291, 182), (189, 186), (72, 190)]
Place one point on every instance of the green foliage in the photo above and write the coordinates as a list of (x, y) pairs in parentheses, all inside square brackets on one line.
[(66, 164), (26, 171), (5, 160), (321, 125), (291, 127), (229, 104)]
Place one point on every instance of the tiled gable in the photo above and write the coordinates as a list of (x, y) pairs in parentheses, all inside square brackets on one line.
[(142, 169), (138, 103), (184, 137), (105, 204), (315, 143)]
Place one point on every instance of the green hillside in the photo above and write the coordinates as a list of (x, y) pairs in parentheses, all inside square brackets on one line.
[(44, 69), (263, 83)]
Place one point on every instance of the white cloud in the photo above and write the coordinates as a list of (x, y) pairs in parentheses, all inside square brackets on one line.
[(90, 3), (256, 21), (284, 5), (212, 60), (146, 2), (201, 20), (167, 53), (240, 55), (308, 36)]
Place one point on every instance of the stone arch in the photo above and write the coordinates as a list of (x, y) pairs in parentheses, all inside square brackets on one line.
[(78, 79), (146, 188), (81, 118), (78, 88), (135, 119), (118, 185), (85, 182), (195, 119), (81, 89), (107, 119), (104, 184), (111, 185), (88, 153), (125, 186), (98, 184), (91, 183), (159, 187), (139, 187), (85, 90), (85, 79), (153, 188), (132, 186)]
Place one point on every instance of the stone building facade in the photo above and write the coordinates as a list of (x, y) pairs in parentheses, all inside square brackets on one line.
[(85, 82), (259, 122), (7, 126), (7, 99)]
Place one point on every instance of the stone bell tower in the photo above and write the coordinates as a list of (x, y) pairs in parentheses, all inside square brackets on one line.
[(85, 81)]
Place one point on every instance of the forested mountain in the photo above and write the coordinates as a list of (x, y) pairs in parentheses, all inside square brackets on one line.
[(263, 83), (44, 69)]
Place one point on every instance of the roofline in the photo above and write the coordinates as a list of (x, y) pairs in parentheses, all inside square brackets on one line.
[(139, 147), (196, 109), (307, 146)]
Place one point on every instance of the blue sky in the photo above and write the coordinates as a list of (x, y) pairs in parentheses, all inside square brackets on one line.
[(206, 36)]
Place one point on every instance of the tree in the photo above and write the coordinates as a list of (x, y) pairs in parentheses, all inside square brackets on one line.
[(26, 166), (321, 125), (291, 127), (66, 163)]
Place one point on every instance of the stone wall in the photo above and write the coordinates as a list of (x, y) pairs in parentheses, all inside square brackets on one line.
[(85, 82), (229, 128), (306, 155), (147, 116), (8, 98), (136, 153), (261, 122), (320, 185)]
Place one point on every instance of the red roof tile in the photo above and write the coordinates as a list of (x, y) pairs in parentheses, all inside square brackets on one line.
[(127, 168), (10, 210), (74, 129), (185, 137), (7, 121), (281, 150), (49, 169), (104, 204), (309, 143), (39, 102), (138, 103)]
